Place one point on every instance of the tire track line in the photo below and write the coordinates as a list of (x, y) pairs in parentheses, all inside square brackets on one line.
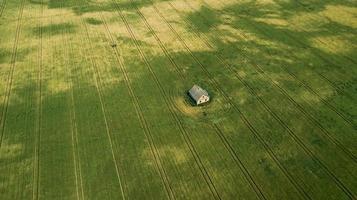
[(74, 129), (142, 119), (256, 187), (260, 70), (27, 113), (36, 167), (310, 153), (76, 154), (183, 131), (75, 143), (215, 84), (244, 170), (74, 136), (3, 8), (11, 74)]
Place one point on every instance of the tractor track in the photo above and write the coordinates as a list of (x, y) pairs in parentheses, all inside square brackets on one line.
[(75, 141), (36, 167), (260, 70), (286, 127), (256, 187), (215, 84), (2, 9), (143, 122), (26, 112), (64, 47), (183, 131), (244, 170), (74, 129), (11, 74)]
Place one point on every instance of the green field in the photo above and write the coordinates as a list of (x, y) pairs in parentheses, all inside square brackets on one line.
[(81, 118)]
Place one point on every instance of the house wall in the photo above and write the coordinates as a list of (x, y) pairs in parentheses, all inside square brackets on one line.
[(203, 99)]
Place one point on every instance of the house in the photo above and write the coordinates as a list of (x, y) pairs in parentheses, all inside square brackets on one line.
[(199, 95)]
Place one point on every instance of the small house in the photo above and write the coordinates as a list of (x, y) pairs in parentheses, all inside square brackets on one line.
[(199, 95)]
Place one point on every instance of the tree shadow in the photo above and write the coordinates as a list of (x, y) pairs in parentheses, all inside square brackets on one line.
[(80, 7), (5, 55), (94, 21), (55, 29), (315, 6), (196, 21)]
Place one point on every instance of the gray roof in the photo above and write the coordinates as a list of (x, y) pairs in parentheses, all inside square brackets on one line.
[(196, 92)]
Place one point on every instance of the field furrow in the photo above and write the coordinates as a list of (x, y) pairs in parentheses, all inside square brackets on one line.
[(2, 7), (8, 87)]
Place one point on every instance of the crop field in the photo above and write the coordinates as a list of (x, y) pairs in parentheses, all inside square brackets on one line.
[(94, 104)]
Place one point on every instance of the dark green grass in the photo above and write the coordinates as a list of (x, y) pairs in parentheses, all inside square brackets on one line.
[(93, 21), (55, 29)]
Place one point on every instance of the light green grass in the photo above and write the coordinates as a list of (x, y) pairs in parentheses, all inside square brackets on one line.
[(83, 120)]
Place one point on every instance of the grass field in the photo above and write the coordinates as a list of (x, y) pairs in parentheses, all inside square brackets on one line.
[(81, 119)]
